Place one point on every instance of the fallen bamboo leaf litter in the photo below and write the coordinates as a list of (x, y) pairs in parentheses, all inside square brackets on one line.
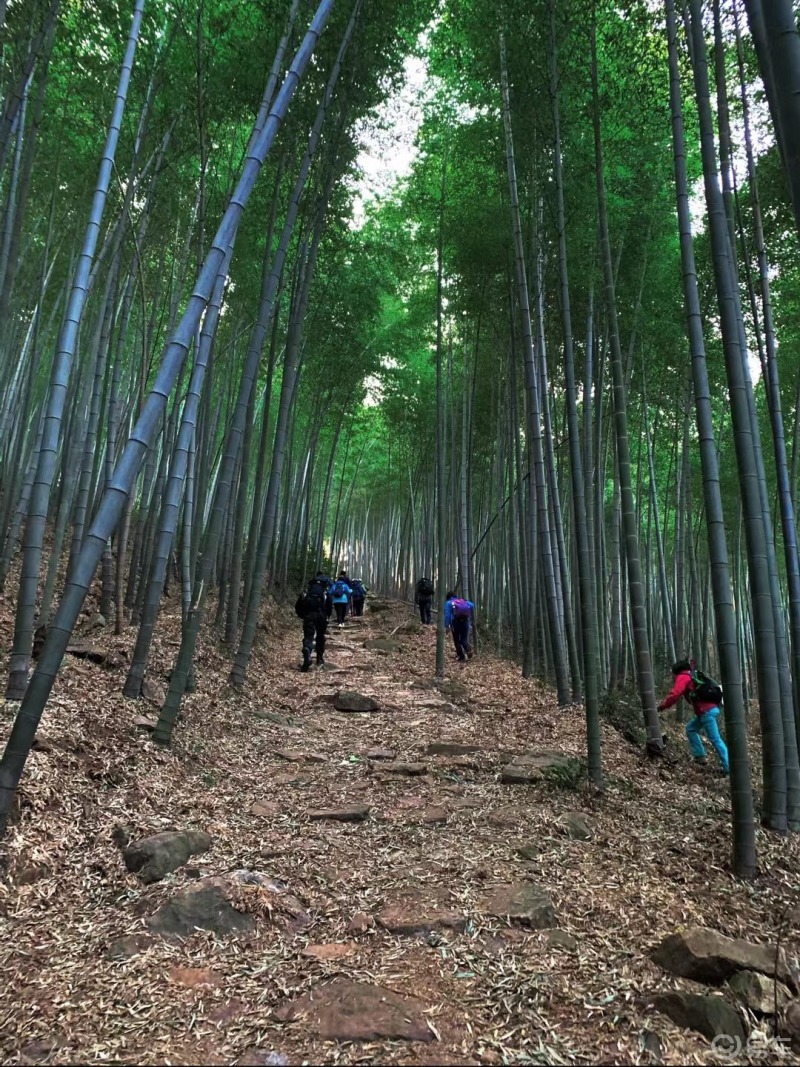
[(494, 990)]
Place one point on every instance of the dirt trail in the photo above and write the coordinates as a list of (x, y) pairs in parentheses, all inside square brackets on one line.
[(420, 873)]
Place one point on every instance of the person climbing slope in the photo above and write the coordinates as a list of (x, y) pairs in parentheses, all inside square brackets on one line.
[(458, 614), (705, 698), (314, 608), (359, 596), (423, 597), (340, 594)]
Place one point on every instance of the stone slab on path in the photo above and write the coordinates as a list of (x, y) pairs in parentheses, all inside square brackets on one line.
[(406, 770), (450, 748), (328, 953), (414, 917), (348, 813), (358, 1011), (382, 644), (378, 754), (351, 701), (533, 766), (522, 902)]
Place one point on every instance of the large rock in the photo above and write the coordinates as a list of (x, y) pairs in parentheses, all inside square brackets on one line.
[(523, 902), (710, 1016), (450, 748), (203, 906), (790, 1024), (759, 993), (533, 766), (382, 644), (154, 857), (349, 701), (415, 918), (358, 1011), (706, 956)]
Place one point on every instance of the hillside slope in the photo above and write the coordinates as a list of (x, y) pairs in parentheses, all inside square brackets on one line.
[(424, 869)]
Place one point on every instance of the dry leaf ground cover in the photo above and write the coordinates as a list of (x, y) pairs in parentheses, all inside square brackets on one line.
[(432, 850)]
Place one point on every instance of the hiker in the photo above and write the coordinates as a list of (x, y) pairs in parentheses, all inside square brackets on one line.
[(705, 697), (423, 597), (359, 596), (314, 608), (323, 577), (457, 616), (340, 594)]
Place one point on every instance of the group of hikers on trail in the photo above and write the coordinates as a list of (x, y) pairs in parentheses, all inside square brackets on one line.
[(315, 606), (344, 595)]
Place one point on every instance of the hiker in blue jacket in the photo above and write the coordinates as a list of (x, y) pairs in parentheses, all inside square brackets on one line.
[(340, 594), (458, 614)]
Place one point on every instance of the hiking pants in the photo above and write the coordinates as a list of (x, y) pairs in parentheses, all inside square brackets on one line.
[(707, 723), (315, 626), (358, 606), (425, 610), (460, 631), (341, 610)]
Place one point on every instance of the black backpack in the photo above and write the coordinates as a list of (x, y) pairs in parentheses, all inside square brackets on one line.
[(705, 688), (358, 589), (426, 587), (312, 600)]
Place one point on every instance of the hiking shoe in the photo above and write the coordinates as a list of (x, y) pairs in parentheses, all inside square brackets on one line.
[(700, 761), (305, 666), (320, 662), (470, 653)]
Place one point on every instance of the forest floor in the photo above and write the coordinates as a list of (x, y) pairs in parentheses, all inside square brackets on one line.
[(432, 851)]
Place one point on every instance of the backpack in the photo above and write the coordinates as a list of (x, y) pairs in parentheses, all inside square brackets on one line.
[(358, 589), (705, 688), (312, 600), (339, 589), (426, 587), (461, 608)]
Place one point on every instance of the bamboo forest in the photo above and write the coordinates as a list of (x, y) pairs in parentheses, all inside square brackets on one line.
[(399, 567)]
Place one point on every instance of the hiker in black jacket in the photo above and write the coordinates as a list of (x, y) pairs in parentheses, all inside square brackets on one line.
[(358, 597), (424, 599), (314, 608)]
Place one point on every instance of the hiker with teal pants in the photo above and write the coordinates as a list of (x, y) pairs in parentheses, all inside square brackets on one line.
[(704, 696)]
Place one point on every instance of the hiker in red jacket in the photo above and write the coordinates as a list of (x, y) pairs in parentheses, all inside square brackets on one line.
[(705, 717)]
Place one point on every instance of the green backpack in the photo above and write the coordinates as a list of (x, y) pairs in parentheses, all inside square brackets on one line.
[(705, 688)]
